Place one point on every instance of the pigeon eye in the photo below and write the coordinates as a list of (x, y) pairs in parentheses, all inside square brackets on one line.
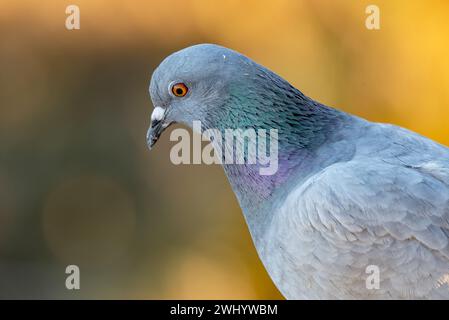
[(179, 89)]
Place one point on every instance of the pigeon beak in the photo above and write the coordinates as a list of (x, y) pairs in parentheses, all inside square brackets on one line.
[(157, 126)]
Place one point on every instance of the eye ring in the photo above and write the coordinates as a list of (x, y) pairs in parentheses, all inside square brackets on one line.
[(179, 89)]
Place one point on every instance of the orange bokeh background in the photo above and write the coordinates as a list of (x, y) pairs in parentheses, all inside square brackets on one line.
[(77, 183)]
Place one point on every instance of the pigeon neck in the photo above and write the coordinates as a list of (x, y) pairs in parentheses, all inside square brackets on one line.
[(302, 127)]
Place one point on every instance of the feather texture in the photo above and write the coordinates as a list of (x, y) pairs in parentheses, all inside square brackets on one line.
[(349, 194)]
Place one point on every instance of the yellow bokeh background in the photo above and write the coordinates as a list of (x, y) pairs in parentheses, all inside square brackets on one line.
[(77, 183)]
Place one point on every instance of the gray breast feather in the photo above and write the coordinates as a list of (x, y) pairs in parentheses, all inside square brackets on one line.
[(370, 211), (388, 206), (363, 194)]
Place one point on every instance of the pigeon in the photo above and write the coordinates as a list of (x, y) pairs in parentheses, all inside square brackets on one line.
[(355, 210)]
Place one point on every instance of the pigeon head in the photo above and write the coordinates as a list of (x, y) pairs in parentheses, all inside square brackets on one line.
[(195, 84), (223, 89)]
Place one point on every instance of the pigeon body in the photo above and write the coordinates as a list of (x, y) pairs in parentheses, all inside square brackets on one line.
[(348, 195)]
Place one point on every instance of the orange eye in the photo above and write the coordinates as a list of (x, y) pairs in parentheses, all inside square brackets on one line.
[(179, 89)]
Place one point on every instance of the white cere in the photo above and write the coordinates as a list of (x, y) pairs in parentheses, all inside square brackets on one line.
[(158, 114)]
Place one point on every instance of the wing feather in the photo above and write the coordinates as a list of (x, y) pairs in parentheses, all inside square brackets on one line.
[(370, 210)]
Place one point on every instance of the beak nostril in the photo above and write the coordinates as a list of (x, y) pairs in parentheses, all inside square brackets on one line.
[(157, 126), (158, 114)]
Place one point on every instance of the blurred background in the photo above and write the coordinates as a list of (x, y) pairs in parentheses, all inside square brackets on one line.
[(77, 183)]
